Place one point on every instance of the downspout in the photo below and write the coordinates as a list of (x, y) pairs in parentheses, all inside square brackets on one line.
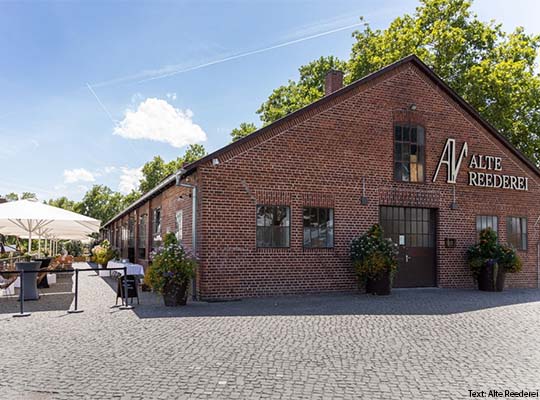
[(193, 222), (537, 256)]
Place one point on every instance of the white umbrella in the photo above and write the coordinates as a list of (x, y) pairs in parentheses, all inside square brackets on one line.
[(31, 217)]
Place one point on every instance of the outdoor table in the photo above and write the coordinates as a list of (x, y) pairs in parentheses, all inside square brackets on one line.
[(31, 270), (132, 269)]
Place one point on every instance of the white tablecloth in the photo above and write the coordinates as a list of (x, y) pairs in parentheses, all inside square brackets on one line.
[(132, 269)]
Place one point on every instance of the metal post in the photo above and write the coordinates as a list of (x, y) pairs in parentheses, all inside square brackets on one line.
[(22, 313), (125, 306), (75, 310)]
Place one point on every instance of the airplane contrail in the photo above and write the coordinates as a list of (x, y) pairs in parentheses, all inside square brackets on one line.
[(250, 53), (100, 103), (167, 72)]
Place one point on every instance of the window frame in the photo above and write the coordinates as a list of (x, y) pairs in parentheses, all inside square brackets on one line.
[(329, 211), (131, 232), (409, 125), (523, 236), (496, 217), (142, 234), (275, 206), (179, 229)]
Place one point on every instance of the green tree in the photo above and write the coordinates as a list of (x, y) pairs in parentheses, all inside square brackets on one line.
[(28, 196), (244, 129), (495, 71), (491, 69), (295, 95), (24, 196), (156, 170), (101, 202), (192, 154), (12, 196), (130, 198), (63, 202)]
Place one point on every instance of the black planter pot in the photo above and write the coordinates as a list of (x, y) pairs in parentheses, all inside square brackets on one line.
[(380, 286), (487, 281), (501, 277), (175, 295)]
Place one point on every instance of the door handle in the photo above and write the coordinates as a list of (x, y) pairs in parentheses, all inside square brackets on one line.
[(407, 258)]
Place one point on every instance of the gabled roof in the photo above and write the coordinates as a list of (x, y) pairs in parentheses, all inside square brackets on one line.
[(413, 59), (251, 138)]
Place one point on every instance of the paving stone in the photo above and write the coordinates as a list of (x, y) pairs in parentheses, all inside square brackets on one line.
[(414, 344)]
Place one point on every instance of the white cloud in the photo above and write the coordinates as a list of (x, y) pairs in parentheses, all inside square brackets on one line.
[(78, 175), (171, 96), (130, 179), (155, 119)]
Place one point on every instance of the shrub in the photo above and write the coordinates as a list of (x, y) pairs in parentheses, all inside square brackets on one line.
[(373, 255), (103, 252), (489, 252), (171, 265), (74, 248)]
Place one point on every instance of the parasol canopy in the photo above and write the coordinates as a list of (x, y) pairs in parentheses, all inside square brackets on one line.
[(26, 217)]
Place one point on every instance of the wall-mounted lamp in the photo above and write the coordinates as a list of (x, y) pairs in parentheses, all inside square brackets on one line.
[(215, 161), (412, 107), (449, 243)]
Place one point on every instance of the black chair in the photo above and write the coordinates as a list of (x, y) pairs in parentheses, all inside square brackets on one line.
[(43, 283), (132, 288)]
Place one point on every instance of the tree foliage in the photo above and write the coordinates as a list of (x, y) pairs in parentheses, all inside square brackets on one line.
[(24, 196), (156, 170), (495, 71), (101, 202), (295, 95), (63, 202), (244, 129)]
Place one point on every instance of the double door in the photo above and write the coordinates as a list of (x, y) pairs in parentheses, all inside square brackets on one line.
[(414, 230)]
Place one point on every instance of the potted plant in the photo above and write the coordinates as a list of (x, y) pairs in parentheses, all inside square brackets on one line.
[(375, 260), (103, 253), (171, 271), (489, 261)]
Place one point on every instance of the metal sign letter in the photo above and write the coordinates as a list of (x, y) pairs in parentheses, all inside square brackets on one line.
[(449, 158)]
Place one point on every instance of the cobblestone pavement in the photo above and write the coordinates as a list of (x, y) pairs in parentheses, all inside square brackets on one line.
[(415, 344)]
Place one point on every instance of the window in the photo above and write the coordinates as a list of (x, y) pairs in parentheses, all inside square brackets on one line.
[(156, 221), (318, 227), (141, 241), (131, 232), (409, 153), (486, 221), (123, 235), (179, 221), (516, 232), (156, 228), (117, 237), (414, 226), (273, 226)]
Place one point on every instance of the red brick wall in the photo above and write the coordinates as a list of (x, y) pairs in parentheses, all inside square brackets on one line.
[(320, 159)]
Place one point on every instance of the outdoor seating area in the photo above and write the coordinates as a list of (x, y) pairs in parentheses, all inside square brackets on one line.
[(25, 270)]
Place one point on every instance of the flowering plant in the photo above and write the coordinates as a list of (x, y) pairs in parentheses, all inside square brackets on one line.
[(373, 255), (492, 254), (103, 252), (171, 265)]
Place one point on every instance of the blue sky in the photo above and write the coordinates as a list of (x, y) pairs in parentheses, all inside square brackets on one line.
[(90, 91)]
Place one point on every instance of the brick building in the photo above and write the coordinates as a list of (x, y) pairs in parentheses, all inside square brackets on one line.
[(274, 212)]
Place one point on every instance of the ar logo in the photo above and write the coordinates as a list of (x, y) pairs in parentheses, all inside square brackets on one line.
[(449, 158)]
